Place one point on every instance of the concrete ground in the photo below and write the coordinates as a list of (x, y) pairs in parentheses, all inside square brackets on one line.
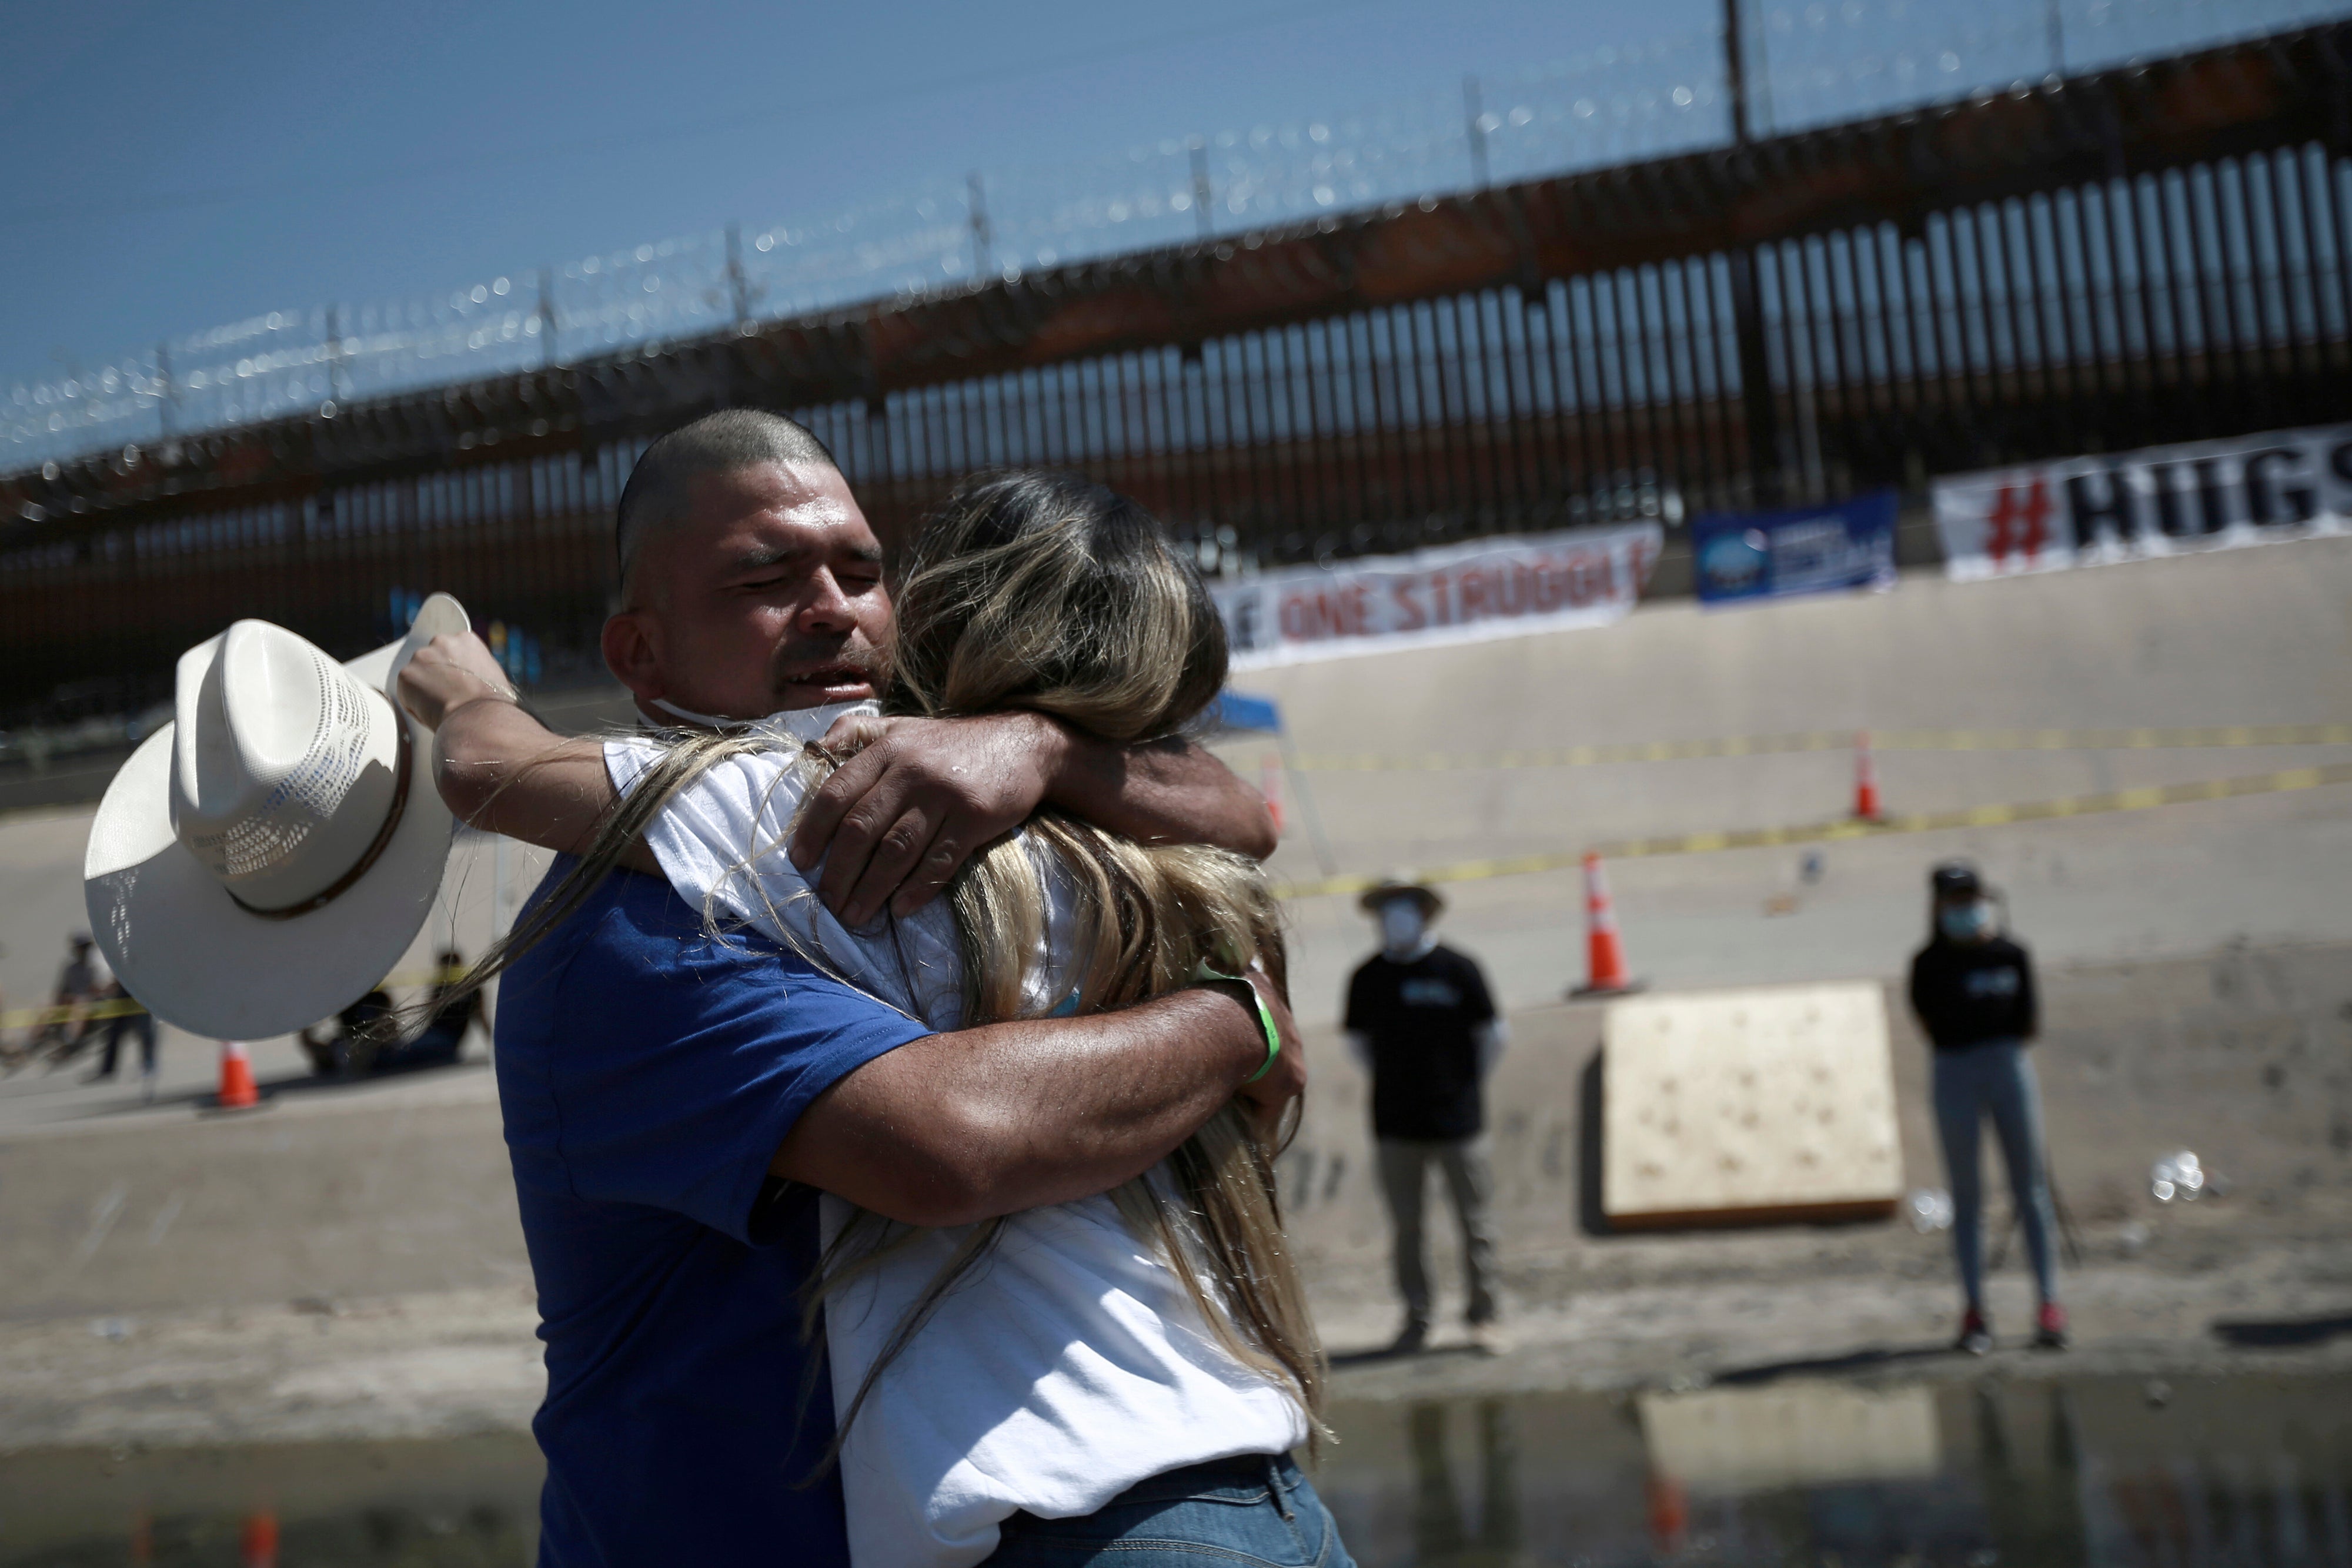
[(347, 1264)]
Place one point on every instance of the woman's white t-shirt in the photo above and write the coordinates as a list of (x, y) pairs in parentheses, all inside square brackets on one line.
[(1072, 1363)]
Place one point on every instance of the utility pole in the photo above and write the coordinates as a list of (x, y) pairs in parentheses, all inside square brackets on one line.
[(1762, 414), (335, 356), (164, 380), (981, 264), (735, 284), (1202, 195), (1735, 75), (1475, 119), (546, 319)]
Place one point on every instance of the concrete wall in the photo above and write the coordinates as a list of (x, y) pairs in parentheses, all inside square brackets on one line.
[(2252, 637)]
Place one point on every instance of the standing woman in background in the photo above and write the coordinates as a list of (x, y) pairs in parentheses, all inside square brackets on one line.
[(1972, 988)]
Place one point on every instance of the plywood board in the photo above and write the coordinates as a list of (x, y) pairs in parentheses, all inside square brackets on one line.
[(1749, 1105), (1757, 1440)]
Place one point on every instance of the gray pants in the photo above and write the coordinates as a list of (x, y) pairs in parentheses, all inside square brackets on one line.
[(1994, 1080), (1404, 1178)]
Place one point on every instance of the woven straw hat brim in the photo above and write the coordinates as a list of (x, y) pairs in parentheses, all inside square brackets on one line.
[(192, 956)]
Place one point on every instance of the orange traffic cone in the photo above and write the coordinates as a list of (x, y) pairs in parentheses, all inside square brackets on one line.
[(1604, 949), (1865, 780), (1269, 784), (258, 1542), (1669, 1513), (237, 1092)]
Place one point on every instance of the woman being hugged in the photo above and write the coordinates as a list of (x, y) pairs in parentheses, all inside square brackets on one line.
[(1124, 1374)]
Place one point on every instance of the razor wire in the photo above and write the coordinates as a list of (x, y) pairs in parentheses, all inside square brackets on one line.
[(1812, 62)]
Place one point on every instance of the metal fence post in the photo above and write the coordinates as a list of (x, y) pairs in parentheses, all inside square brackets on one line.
[(1762, 415)]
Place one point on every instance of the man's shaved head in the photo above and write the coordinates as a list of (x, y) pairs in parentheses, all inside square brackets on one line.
[(723, 443), (751, 581)]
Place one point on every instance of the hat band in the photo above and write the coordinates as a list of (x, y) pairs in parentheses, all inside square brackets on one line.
[(391, 816)]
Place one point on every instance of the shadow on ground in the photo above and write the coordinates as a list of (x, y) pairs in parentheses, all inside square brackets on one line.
[(2278, 1334), (287, 1087), (1379, 1354), (1863, 1360)]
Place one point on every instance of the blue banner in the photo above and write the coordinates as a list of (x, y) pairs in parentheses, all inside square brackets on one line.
[(1804, 550), (1240, 711)]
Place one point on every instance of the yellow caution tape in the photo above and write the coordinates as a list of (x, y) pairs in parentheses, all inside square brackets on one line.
[(1741, 839), (1822, 832), (119, 1007), (1839, 740), (124, 1007)]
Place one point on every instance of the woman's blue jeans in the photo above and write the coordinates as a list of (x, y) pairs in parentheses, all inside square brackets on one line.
[(1257, 1512), (1994, 1080)]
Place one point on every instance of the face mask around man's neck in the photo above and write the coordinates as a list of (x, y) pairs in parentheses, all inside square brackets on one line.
[(706, 720)]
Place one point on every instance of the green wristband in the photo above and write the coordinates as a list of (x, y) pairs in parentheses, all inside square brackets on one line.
[(1265, 1018)]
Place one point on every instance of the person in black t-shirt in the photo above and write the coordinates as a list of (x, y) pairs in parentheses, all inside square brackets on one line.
[(1972, 988), (1419, 1017)]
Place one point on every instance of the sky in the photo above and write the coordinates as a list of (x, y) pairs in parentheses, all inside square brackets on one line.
[(176, 166)]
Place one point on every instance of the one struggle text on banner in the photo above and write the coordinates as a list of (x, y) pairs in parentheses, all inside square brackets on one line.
[(1460, 594)]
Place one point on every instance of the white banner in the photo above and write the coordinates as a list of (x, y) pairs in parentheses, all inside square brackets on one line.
[(1461, 593), (2162, 500)]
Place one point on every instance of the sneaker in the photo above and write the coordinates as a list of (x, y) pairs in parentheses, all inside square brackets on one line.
[(2049, 1327), (1410, 1339), (1976, 1334), (1490, 1339)]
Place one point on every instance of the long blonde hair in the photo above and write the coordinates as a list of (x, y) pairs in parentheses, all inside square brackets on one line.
[(1048, 593), (1045, 591)]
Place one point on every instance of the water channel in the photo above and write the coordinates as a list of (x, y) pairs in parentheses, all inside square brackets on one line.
[(2240, 1471)]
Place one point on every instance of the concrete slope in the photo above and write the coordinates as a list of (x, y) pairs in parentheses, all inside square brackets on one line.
[(2248, 637), (334, 1192), (2238, 637), (400, 1191)]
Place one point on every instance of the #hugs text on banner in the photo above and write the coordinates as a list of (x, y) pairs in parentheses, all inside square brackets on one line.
[(1460, 594), (2160, 500)]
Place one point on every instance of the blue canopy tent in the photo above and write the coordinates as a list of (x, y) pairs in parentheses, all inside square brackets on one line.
[(1239, 712)]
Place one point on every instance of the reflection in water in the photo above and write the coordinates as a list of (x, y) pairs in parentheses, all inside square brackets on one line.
[(1734, 1440), (2033, 1503), (1442, 1530), (2115, 1473), (2247, 1472), (459, 1502)]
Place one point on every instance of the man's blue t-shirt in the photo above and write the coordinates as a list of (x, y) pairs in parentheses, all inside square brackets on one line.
[(647, 1072)]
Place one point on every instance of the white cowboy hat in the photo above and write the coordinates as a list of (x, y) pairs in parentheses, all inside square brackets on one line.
[(265, 859)]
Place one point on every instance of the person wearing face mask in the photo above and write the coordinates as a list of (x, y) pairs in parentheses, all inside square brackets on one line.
[(1421, 1021), (1972, 988)]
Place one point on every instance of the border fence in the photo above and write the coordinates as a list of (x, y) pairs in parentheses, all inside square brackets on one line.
[(2159, 252), (1808, 63)]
